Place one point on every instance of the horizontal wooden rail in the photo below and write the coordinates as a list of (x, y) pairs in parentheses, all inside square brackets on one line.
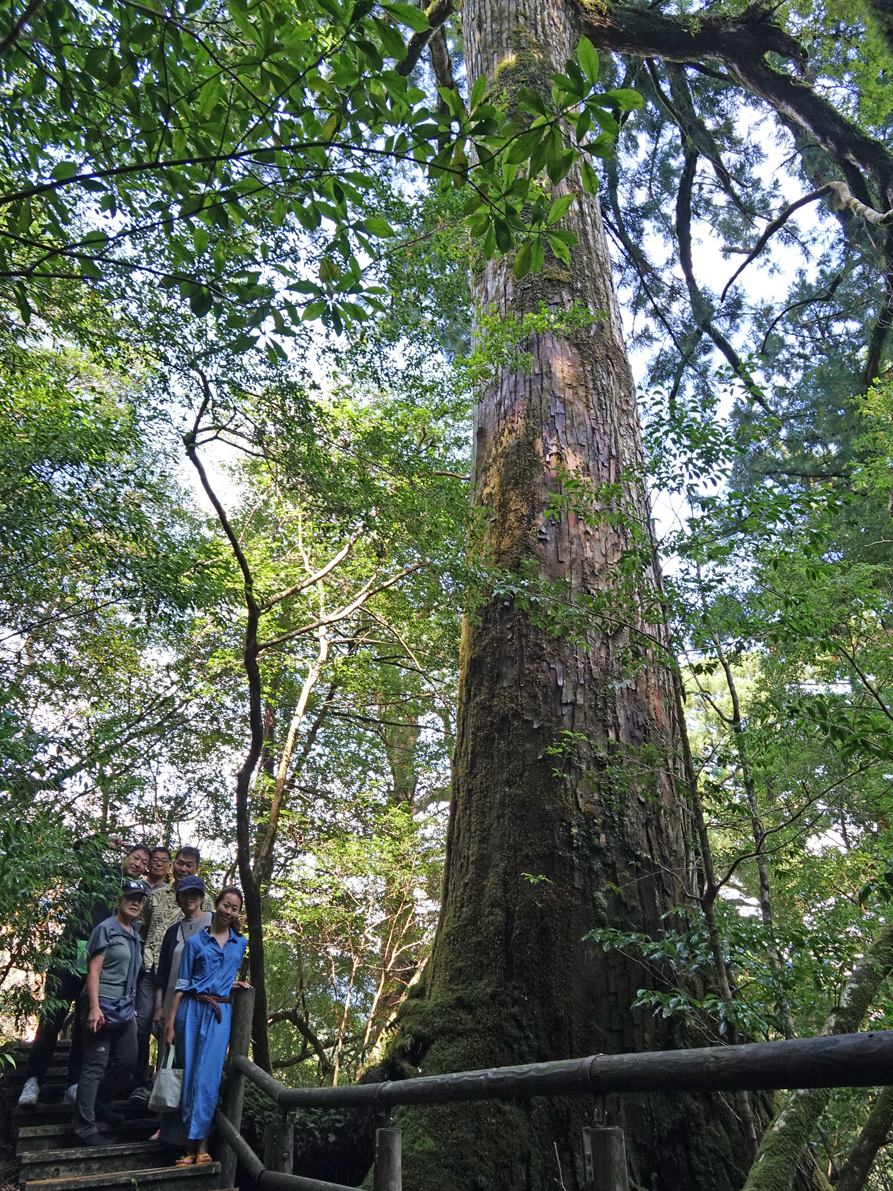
[(843, 1060), (268, 1180)]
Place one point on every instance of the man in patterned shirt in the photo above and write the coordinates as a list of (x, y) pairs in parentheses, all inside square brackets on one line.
[(158, 913)]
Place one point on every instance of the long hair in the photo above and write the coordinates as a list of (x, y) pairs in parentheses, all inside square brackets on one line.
[(236, 926)]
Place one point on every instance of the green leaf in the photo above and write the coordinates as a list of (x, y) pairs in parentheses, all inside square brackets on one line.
[(589, 178), (521, 264), (626, 100), (64, 170), (606, 121), (560, 249), (503, 234), (391, 41), (602, 146), (588, 56), (406, 14), (330, 127), (376, 226), (537, 256), (478, 91), (532, 101), (201, 302), (560, 208), (524, 147)]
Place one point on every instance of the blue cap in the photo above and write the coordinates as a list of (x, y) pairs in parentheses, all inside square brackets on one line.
[(134, 889), (188, 883)]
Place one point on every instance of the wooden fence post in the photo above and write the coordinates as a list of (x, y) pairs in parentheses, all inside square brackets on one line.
[(388, 1160), (234, 1096), (604, 1160), (279, 1145)]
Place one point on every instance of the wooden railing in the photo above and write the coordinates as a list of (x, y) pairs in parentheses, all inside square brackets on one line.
[(841, 1060)]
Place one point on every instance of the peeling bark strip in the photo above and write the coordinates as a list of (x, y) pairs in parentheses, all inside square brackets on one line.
[(786, 1138), (567, 815)]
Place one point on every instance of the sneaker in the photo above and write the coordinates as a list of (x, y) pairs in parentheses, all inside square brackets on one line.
[(71, 1095), (30, 1092), (94, 1140), (140, 1096)]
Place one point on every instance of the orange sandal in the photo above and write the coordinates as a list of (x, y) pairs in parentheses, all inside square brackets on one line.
[(186, 1160), (203, 1159)]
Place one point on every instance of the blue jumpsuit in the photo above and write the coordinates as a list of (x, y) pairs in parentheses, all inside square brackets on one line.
[(201, 1039)]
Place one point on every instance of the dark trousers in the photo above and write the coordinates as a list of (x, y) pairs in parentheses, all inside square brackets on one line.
[(145, 1011), (109, 1058), (64, 988)]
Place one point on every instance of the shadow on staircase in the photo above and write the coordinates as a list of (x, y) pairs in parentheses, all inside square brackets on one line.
[(45, 1154)]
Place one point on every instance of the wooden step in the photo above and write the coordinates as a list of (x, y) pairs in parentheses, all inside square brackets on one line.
[(63, 1164), (15, 1077), (33, 1138), (60, 1054), (164, 1178), (59, 1114), (51, 1090)]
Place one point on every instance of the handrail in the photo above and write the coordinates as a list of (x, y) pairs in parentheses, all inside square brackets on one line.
[(841, 1060), (268, 1180)]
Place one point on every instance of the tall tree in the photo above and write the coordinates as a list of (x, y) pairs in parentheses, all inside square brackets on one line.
[(568, 813)]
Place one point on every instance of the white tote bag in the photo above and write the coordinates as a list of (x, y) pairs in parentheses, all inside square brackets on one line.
[(167, 1087)]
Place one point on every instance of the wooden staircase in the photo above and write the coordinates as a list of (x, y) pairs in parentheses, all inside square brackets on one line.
[(49, 1158)]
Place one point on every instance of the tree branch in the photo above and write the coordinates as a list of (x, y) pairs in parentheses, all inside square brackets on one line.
[(845, 198), (315, 578), (19, 26), (438, 14), (365, 594), (742, 43)]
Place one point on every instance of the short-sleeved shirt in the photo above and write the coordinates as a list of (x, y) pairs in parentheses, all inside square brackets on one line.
[(160, 911), (206, 967), (121, 962)]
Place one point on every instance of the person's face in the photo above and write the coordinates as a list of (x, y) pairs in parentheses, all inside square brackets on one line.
[(130, 907), (185, 866), (135, 864), (228, 909), (159, 866), (190, 903)]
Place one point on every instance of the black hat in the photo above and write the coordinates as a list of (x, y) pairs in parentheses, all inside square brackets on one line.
[(187, 883), (135, 889)]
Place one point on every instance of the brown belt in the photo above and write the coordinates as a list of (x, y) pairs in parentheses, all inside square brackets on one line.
[(211, 999)]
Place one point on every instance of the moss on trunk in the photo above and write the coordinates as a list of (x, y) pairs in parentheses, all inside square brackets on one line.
[(567, 814)]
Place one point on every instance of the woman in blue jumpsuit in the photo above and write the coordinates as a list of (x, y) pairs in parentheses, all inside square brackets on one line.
[(201, 1015)]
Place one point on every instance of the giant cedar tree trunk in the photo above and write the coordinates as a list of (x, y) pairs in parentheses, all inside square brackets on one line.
[(543, 847)]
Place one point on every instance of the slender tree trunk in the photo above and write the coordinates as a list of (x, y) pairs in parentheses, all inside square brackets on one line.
[(263, 861), (759, 834), (783, 1143), (875, 1134), (566, 815)]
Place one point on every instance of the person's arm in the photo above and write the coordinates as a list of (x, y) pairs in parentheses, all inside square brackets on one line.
[(144, 918), (162, 974), (172, 1017), (95, 1019), (184, 982)]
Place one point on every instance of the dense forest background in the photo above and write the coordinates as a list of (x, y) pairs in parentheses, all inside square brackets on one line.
[(239, 355)]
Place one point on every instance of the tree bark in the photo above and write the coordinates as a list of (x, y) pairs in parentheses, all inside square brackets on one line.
[(784, 1141), (566, 813), (875, 1134)]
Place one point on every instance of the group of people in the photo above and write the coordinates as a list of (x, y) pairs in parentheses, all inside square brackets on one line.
[(163, 959)]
